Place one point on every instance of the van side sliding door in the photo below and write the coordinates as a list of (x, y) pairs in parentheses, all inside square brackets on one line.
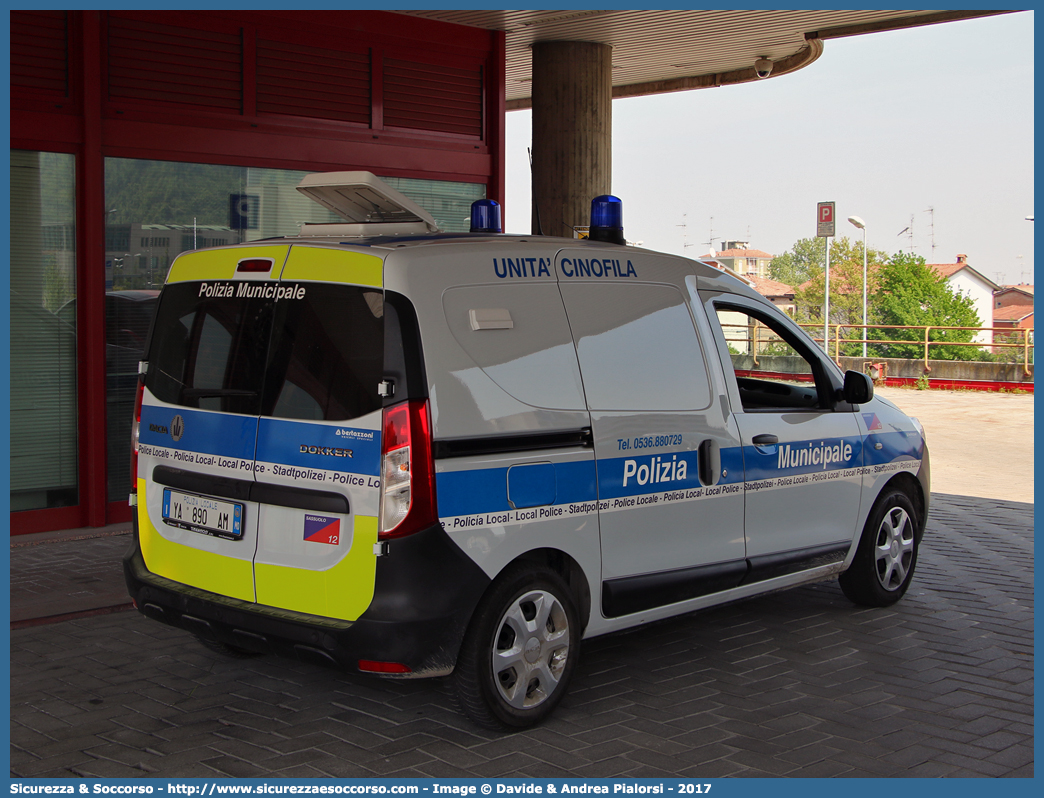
[(669, 475)]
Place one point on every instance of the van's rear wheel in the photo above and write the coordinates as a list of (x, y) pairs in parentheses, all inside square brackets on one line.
[(884, 563), (519, 652)]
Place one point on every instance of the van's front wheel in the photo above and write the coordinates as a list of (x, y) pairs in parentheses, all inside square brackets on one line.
[(519, 652), (887, 555)]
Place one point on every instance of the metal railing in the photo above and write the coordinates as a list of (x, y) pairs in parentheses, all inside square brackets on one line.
[(757, 336), (1002, 333)]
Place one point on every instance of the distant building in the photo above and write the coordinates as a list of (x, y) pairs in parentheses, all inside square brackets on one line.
[(1015, 317), (779, 294), (1013, 307), (1008, 295), (738, 257), (965, 280)]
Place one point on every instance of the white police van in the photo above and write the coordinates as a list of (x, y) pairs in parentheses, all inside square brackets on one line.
[(418, 454)]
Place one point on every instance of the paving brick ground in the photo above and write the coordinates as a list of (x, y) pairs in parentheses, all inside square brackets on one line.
[(796, 684), (54, 575)]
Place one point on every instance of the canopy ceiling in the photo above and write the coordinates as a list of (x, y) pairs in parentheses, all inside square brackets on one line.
[(661, 51)]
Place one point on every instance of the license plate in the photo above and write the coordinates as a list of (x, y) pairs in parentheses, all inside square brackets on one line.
[(203, 514)]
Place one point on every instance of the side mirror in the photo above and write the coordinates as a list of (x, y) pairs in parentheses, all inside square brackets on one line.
[(859, 388)]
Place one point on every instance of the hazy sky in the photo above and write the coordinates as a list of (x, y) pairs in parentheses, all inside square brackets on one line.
[(886, 125)]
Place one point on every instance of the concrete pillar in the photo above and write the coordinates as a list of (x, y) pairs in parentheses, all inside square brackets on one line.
[(572, 133)]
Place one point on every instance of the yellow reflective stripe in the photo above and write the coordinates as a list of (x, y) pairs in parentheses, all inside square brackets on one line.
[(220, 264), (333, 266), (206, 570), (343, 592)]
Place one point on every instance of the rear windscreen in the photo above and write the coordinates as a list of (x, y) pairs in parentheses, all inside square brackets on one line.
[(317, 354)]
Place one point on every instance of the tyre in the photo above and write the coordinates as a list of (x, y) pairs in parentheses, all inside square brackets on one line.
[(519, 652), (228, 650), (884, 563)]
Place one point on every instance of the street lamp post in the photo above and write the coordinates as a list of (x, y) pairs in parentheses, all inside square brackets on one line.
[(862, 226)]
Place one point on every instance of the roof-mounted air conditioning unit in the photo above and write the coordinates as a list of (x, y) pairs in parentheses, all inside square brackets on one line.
[(369, 206)]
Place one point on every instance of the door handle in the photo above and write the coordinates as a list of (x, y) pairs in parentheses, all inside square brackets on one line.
[(765, 439), (704, 464)]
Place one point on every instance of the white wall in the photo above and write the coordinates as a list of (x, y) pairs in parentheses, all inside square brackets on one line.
[(981, 294)]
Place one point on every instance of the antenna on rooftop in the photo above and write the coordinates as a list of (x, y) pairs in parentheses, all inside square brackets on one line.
[(931, 211), (710, 242), (685, 233), (909, 232)]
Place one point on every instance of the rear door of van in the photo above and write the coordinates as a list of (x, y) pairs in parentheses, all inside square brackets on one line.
[(259, 447), (319, 436), (204, 372)]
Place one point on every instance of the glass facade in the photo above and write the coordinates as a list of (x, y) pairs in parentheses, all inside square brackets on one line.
[(156, 210), (448, 202), (44, 464)]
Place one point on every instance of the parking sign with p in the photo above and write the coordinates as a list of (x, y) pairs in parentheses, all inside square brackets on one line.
[(825, 220)]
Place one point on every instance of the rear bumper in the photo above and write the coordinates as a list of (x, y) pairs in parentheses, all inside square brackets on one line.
[(426, 590)]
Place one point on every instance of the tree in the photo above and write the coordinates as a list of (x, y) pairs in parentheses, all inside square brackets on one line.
[(910, 293), (162, 192), (846, 289), (803, 262)]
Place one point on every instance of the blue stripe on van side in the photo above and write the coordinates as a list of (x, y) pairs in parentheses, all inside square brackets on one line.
[(484, 490), (224, 434), (783, 459), (894, 446), (660, 471)]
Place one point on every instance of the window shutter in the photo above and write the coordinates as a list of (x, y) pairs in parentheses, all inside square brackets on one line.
[(40, 51), (313, 82), (167, 63), (429, 97)]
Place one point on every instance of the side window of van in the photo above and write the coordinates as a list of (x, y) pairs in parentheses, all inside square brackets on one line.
[(637, 346), (518, 337), (771, 372)]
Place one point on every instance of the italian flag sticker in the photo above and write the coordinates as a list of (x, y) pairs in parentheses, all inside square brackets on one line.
[(320, 529)]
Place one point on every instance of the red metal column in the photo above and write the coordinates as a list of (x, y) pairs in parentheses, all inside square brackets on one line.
[(91, 283), (377, 88), (496, 109), (249, 37)]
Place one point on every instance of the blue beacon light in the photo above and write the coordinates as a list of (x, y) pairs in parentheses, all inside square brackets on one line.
[(485, 216), (607, 219)]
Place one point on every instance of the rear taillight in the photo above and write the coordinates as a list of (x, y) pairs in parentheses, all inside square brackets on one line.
[(407, 471), (135, 425)]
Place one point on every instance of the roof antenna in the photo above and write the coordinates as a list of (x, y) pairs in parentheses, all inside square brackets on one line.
[(931, 211), (536, 208)]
